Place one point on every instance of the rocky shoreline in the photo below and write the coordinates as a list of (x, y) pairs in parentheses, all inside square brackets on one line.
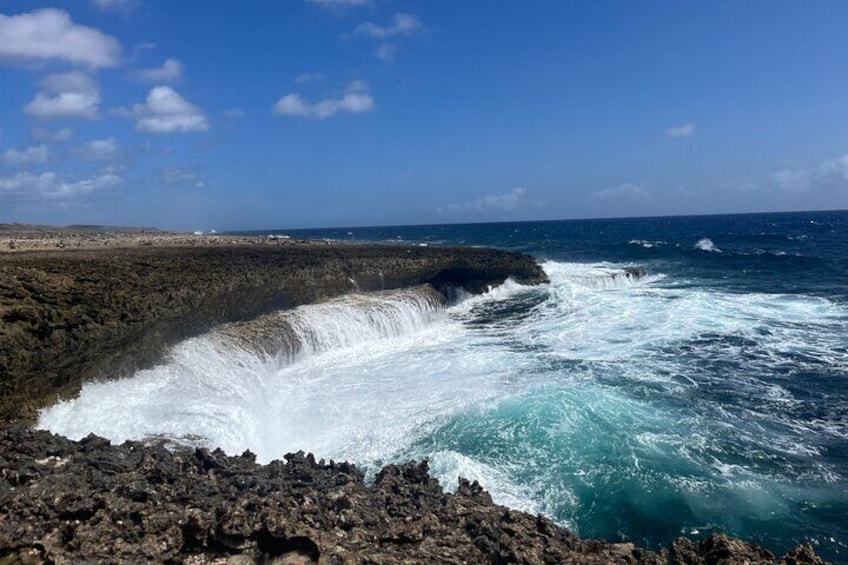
[(91, 502), (72, 315), (86, 309)]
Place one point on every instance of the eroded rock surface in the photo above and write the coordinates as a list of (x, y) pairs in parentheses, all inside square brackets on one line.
[(71, 502)]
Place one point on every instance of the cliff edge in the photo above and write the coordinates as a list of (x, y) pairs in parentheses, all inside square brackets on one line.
[(73, 315)]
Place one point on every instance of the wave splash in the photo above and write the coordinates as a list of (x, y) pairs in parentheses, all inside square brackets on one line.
[(223, 388), (594, 397), (706, 244)]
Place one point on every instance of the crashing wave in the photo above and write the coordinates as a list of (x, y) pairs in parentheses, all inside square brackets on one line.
[(645, 243), (706, 244)]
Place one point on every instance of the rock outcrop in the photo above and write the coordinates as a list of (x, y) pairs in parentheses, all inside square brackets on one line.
[(74, 315), (91, 502)]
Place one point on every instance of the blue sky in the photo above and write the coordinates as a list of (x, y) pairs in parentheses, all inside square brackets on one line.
[(308, 113)]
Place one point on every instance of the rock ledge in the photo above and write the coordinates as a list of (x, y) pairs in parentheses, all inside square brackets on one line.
[(71, 502)]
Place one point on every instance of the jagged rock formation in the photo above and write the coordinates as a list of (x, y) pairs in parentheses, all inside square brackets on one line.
[(74, 315), (68, 502)]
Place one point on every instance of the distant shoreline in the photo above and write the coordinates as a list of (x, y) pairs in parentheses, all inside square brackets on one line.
[(16, 238)]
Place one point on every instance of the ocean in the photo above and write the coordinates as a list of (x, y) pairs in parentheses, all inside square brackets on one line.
[(711, 394)]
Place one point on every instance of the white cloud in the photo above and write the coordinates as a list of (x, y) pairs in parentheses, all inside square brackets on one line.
[(626, 190), (386, 52), (52, 136), (356, 100), (115, 5), (505, 202), (168, 112), (28, 156), (792, 180), (234, 113), (180, 176), (65, 95), (292, 105), (50, 35), (837, 168), (686, 130), (402, 24), (339, 3), (99, 149), (49, 185), (827, 173), (171, 71)]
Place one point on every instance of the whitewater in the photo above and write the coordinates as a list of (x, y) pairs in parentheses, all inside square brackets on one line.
[(682, 402)]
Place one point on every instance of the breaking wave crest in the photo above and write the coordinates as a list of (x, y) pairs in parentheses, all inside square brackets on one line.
[(218, 389)]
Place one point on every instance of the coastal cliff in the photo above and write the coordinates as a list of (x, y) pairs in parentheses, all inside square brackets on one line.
[(71, 316)]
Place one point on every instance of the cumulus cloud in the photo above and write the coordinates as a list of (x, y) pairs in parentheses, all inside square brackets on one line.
[(99, 149), (52, 136), (234, 113), (50, 185), (627, 190), (386, 52), (115, 5), (402, 24), (181, 176), (50, 35), (171, 71), (168, 112), (65, 95), (356, 100), (686, 130), (29, 156), (505, 201)]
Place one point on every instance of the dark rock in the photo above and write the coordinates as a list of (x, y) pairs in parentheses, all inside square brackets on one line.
[(92, 502), (719, 549), (635, 272)]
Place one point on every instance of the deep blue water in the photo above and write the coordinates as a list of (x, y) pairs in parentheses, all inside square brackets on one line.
[(804, 253), (717, 399)]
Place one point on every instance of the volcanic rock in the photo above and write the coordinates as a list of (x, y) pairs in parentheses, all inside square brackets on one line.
[(73, 502)]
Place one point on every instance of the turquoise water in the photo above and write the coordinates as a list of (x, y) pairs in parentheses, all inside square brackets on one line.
[(710, 395)]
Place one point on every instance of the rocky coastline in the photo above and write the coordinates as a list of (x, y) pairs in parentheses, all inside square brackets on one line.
[(91, 502), (72, 313)]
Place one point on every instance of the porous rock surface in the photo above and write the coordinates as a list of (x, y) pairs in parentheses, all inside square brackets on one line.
[(72, 315), (91, 502)]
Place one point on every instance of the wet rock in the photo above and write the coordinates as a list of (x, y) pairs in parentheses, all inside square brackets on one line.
[(635, 272)]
